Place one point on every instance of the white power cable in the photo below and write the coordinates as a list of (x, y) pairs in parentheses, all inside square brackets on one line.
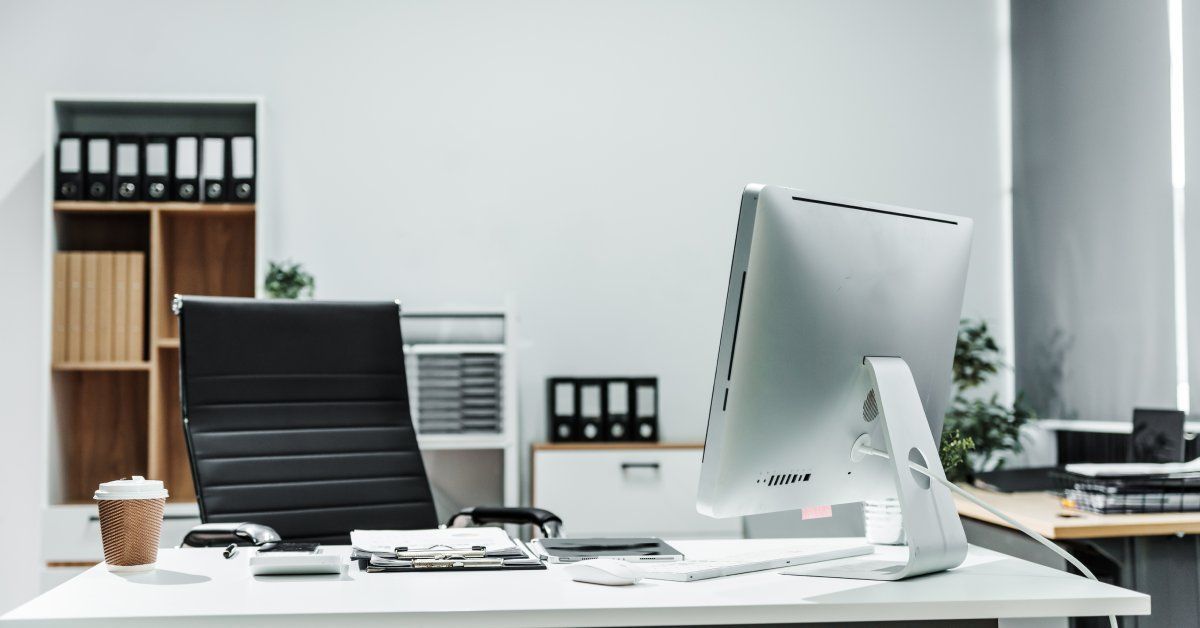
[(866, 449)]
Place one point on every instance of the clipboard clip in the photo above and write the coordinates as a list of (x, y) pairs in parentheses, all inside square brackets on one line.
[(441, 552)]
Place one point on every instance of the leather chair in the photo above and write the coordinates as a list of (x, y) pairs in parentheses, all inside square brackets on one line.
[(296, 416)]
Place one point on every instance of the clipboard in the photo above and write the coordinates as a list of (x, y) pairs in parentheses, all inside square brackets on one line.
[(444, 549), (430, 560)]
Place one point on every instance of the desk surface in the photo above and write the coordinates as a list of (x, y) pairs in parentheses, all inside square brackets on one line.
[(196, 587), (1043, 513)]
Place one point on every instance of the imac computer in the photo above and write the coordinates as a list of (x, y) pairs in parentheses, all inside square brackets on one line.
[(834, 368)]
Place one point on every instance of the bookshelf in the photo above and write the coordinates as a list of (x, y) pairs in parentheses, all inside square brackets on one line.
[(112, 418)]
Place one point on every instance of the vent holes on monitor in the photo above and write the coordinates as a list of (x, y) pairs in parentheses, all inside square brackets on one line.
[(870, 407), (783, 479)]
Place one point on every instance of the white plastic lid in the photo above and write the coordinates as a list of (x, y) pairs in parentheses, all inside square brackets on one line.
[(136, 488)]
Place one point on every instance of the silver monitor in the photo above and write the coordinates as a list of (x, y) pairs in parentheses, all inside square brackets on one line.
[(840, 324)]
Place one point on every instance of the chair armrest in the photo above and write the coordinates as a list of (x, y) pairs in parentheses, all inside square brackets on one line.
[(546, 521), (222, 534)]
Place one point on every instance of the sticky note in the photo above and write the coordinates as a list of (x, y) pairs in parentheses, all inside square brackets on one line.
[(816, 512)]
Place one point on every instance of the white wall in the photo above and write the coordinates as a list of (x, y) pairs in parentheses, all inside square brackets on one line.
[(586, 157)]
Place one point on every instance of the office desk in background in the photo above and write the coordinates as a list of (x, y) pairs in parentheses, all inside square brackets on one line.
[(196, 587), (1157, 554)]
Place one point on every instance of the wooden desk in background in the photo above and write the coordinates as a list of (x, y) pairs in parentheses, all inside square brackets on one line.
[(1157, 554)]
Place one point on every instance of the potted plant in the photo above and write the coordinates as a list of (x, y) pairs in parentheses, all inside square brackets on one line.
[(991, 427), (288, 280)]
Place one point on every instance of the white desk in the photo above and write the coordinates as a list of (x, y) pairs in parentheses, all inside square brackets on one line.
[(196, 587)]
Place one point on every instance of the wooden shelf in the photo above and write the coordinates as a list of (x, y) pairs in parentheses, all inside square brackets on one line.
[(115, 418), (101, 366), (145, 206), (102, 422)]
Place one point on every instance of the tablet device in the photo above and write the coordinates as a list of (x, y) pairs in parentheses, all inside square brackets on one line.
[(575, 550)]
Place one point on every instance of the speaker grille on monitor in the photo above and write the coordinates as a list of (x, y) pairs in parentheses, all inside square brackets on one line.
[(870, 407)]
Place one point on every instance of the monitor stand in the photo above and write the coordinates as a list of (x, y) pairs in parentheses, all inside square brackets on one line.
[(936, 541)]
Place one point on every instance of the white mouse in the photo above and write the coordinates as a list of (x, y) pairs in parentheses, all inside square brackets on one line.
[(605, 571)]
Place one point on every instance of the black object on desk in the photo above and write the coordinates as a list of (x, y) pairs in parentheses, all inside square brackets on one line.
[(1157, 436), (1018, 480)]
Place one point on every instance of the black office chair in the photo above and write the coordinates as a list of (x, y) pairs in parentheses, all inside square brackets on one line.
[(296, 416)]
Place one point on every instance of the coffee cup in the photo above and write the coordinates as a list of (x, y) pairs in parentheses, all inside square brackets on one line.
[(131, 517)]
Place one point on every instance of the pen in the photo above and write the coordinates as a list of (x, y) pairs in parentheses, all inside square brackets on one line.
[(230, 551)]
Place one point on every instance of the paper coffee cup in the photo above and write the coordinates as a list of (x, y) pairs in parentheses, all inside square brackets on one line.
[(131, 516)]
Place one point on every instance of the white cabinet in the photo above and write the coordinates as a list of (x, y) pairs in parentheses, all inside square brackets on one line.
[(625, 490)]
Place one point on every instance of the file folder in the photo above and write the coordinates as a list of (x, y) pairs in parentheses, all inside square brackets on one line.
[(91, 311), (129, 168), (241, 169), (564, 411), (185, 182), (120, 305), (104, 307), (645, 409), (68, 157), (212, 166), (616, 410), (59, 340), (74, 307), (98, 151), (590, 406), (157, 161)]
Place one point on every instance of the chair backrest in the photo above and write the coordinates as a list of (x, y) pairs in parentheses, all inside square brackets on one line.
[(296, 415)]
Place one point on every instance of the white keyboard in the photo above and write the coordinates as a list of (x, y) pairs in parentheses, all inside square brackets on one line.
[(745, 562)]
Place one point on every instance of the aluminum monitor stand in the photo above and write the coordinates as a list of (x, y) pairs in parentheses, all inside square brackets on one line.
[(936, 540)]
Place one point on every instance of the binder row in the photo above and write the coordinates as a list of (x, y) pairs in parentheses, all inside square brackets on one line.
[(189, 168), (99, 306), (603, 409), (456, 393)]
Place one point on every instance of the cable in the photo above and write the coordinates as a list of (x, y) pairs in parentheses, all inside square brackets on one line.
[(866, 449)]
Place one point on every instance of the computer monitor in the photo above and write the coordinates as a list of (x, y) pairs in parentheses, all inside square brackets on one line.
[(840, 321)]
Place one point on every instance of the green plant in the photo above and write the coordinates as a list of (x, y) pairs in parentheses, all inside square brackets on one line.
[(953, 453), (978, 429), (288, 280)]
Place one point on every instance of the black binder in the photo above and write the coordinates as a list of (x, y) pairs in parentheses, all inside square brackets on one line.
[(242, 166), (98, 155), (129, 167), (158, 166), (645, 409), (591, 409), (214, 180), (617, 425), (68, 159), (563, 409), (185, 178)]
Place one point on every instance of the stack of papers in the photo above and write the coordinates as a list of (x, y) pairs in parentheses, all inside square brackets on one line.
[(1126, 469)]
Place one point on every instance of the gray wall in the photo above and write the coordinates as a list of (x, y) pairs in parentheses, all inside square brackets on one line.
[(1092, 207), (584, 157)]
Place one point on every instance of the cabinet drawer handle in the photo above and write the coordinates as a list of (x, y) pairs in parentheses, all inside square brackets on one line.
[(625, 466)]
